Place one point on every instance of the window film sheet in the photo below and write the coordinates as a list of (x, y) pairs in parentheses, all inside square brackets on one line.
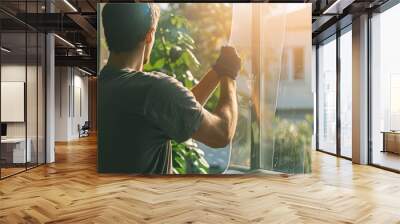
[(241, 39), (274, 89)]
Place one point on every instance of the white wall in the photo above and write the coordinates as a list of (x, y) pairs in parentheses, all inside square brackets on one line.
[(15, 73), (79, 117), (70, 83), (61, 103)]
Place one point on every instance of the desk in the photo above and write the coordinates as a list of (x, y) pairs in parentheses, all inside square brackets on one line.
[(391, 141), (13, 150)]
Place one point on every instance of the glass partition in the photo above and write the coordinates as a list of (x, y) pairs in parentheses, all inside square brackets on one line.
[(15, 150), (22, 91)]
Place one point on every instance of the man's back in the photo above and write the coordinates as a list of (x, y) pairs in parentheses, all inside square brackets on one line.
[(138, 113)]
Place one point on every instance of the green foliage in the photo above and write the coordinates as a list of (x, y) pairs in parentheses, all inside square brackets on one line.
[(209, 25), (173, 55), (173, 50), (292, 145), (188, 158)]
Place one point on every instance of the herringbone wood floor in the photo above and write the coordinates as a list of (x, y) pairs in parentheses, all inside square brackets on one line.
[(70, 191)]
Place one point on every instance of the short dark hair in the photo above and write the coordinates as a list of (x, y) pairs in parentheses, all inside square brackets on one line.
[(126, 24)]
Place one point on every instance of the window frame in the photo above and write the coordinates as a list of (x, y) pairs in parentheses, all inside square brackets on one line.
[(333, 37)]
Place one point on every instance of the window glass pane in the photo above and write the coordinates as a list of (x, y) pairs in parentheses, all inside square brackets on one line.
[(327, 96), (286, 106), (346, 94), (385, 89), (275, 96)]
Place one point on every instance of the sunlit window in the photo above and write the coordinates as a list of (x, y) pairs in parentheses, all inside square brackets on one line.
[(385, 89), (327, 96)]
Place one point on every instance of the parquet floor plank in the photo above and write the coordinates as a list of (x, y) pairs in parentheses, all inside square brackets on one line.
[(71, 191)]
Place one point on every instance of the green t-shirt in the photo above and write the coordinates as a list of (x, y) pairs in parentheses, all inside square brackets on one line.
[(138, 114)]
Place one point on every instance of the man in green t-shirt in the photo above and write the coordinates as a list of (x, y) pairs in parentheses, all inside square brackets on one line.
[(140, 112)]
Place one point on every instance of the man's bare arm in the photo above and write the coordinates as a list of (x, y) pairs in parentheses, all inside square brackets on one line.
[(218, 128), (203, 90)]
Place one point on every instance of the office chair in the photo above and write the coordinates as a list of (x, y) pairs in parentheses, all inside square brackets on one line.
[(84, 130)]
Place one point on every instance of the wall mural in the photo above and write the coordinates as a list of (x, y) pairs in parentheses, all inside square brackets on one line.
[(274, 129)]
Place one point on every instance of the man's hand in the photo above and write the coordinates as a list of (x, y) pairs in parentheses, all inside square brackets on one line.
[(227, 65), (228, 62)]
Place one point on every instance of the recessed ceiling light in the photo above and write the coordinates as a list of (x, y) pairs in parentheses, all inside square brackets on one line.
[(70, 5), (84, 71), (65, 41), (337, 7)]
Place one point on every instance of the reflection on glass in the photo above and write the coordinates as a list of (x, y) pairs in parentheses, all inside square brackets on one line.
[(327, 96), (346, 94), (385, 89)]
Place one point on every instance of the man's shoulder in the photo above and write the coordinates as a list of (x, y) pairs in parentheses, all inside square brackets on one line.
[(113, 73), (160, 76), (167, 86), (156, 74), (164, 79)]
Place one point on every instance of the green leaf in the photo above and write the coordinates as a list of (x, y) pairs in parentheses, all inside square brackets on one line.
[(203, 171), (159, 64), (188, 38), (190, 60), (198, 151), (181, 162), (204, 162)]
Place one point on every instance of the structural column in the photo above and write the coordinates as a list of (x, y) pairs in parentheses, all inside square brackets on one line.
[(360, 90), (50, 92)]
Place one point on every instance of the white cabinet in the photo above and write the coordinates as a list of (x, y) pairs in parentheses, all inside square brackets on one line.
[(17, 146)]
